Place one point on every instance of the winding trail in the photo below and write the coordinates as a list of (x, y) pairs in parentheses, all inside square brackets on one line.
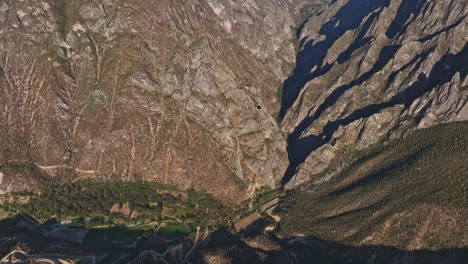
[(193, 247), (15, 256)]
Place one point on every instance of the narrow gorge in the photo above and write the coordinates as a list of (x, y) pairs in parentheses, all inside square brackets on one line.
[(219, 131)]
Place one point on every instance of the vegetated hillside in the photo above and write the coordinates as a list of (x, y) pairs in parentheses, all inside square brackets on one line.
[(411, 194), (120, 203), (174, 92), (372, 70)]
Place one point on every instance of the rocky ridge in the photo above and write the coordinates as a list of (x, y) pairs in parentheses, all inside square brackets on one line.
[(370, 71), (183, 93), (176, 92)]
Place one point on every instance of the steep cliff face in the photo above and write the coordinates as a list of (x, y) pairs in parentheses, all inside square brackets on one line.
[(369, 71), (186, 93), (175, 92)]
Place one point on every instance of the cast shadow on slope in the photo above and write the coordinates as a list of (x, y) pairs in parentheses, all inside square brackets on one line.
[(407, 10), (385, 56), (297, 155), (314, 250), (312, 55), (446, 29), (321, 251), (443, 71)]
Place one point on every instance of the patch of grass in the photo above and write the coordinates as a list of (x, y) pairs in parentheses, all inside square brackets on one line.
[(153, 205), (311, 9), (266, 196), (69, 14), (201, 199), (182, 211), (174, 231), (279, 93)]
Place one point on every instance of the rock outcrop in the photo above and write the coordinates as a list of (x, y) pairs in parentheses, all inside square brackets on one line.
[(175, 92), (369, 71)]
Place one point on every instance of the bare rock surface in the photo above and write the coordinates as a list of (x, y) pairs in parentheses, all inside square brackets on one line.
[(175, 92), (369, 71)]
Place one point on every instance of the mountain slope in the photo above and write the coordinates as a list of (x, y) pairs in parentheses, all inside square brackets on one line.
[(118, 117), (176, 92), (369, 71), (410, 194)]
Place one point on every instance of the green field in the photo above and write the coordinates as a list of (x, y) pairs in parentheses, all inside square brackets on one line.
[(266, 196)]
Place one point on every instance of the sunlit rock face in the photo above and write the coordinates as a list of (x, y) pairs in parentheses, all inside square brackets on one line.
[(175, 92), (186, 93), (368, 71)]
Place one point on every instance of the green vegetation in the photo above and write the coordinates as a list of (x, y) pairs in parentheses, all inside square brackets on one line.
[(279, 90), (88, 203), (107, 238), (279, 93), (88, 199), (202, 199), (69, 14), (266, 196), (29, 172), (312, 8), (174, 231), (222, 238), (153, 205), (427, 168)]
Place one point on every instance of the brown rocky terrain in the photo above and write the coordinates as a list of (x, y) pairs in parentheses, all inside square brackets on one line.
[(176, 92), (370, 76), (370, 71), (358, 117)]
